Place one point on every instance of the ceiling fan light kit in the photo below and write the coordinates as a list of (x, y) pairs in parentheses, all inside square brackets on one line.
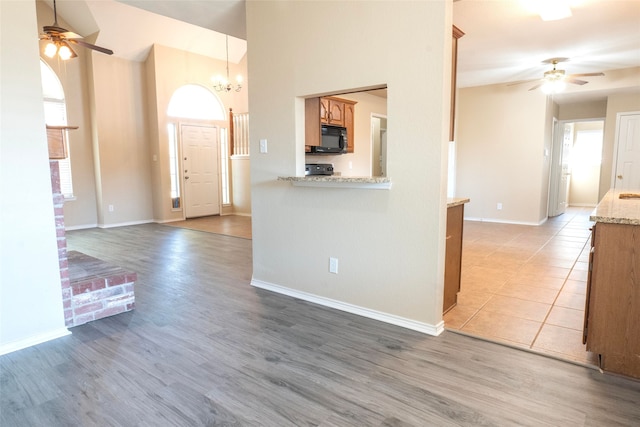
[(553, 86), (59, 39)]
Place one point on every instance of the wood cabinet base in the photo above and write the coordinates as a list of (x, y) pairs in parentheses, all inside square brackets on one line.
[(453, 257), (613, 292)]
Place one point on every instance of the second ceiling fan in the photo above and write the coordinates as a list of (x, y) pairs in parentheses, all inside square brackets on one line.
[(555, 79)]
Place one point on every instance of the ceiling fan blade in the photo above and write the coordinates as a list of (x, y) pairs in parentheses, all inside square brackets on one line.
[(522, 82), (536, 86), (576, 81), (586, 75), (92, 46), (71, 35)]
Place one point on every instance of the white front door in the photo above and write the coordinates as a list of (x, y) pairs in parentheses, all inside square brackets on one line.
[(200, 160), (627, 167)]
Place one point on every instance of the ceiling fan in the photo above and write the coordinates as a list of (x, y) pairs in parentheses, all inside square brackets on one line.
[(60, 40), (555, 79)]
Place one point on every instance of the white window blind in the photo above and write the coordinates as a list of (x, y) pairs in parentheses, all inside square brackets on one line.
[(55, 114)]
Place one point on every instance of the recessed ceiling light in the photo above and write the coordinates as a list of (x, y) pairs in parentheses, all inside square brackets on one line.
[(552, 10)]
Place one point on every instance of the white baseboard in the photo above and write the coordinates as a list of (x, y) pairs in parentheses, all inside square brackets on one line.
[(80, 227), (504, 221), (34, 340), (165, 221), (425, 328), (124, 224)]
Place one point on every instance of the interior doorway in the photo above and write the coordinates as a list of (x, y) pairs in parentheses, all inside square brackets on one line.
[(585, 163), (576, 157), (201, 170), (378, 145)]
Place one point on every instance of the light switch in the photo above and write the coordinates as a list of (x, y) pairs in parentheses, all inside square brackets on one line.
[(263, 146)]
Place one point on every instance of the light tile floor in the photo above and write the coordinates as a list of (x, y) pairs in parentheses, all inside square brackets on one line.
[(526, 285)]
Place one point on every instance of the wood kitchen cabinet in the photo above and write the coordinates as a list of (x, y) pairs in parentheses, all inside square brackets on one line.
[(331, 111), (612, 311), (453, 256)]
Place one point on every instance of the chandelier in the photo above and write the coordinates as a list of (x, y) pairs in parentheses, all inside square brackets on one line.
[(220, 84)]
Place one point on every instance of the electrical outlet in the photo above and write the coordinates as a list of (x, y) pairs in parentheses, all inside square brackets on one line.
[(111, 208), (263, 146), (499, 207), (333, 265)]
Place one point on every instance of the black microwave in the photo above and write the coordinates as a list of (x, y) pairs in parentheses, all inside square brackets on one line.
[(333, 140)]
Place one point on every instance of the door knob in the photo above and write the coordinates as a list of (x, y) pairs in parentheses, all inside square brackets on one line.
[(186, 177), (619, 176)]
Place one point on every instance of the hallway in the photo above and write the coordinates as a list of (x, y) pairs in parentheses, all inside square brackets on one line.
[(525, 286)]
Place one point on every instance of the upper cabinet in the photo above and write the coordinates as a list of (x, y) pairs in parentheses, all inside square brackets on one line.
[(329, 110), (332, 111), (457, 33)]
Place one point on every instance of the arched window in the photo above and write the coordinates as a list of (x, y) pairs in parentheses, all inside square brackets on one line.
[(196, 102), (55, 114)]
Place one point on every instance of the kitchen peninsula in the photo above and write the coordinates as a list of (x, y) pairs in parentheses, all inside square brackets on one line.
[(612, 311)]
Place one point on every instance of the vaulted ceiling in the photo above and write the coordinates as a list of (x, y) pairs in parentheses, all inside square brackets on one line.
[(505, 40)]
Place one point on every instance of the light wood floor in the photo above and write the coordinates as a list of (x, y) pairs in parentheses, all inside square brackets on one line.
[(203, 347), (526, 285), (229, 225), (521, 285)]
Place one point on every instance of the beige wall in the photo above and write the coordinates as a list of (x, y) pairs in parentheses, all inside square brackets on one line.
[(167, 70), (241, 185), (615, 104), (121, 141), (583, 110), (390, 244), (361, 158), (30, 291), (502, 136)]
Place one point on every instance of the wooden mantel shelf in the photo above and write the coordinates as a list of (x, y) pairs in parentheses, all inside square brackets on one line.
[(56, 137)]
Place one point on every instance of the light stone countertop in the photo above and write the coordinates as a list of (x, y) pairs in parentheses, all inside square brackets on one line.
[(336, 181), (455, 201), (337, 178), (614, 210)]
